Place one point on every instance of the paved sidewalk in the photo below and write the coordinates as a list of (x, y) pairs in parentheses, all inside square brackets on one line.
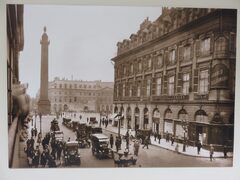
[(190, 150)]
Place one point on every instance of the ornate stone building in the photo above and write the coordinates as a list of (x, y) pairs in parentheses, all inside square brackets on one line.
[(18, 100), (177, 75), (76, 95)]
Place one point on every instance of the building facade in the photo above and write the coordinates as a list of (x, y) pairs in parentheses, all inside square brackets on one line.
[(76, 95), (177, 75), (18, 100)]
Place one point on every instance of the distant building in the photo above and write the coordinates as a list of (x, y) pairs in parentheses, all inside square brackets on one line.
[(76, 95), (177, 75)]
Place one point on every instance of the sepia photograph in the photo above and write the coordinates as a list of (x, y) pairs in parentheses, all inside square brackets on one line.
[(120, 86)]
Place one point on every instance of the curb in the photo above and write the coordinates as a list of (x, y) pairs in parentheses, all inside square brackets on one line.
[(175, 151)]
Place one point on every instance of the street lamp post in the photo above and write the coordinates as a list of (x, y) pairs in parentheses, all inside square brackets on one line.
[(185, 128), (40, 116), (35, 123)]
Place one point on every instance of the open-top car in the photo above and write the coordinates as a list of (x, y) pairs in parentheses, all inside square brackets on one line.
[(100, 146), (72, 153)]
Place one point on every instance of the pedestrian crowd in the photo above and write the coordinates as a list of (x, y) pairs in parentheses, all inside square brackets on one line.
[(46, 156)]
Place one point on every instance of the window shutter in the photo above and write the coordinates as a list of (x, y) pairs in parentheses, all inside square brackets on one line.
[(127, 89), (153, 86), (211, 44), (165, 83), (195, 81), (197, 47), (181, 49), (191, 50), (179, 83), (144, 87), (166, 57)]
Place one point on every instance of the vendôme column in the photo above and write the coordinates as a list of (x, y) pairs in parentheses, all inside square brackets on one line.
[(44, 103)]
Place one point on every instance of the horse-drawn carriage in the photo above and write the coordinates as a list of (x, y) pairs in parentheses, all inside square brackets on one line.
[(142, 134), (67, 122)]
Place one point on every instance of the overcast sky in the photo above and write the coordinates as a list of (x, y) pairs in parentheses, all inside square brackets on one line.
[(82, 40)]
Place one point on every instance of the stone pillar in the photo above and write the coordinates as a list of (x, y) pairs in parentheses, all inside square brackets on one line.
[(125, 117), (150, 122), (141, 114), (133, 117), (44, 103)]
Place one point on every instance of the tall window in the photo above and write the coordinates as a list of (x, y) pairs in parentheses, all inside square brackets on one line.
[(172, 56), (187, 52), (159, 84), (131, 68), (75, 99), (139, 67), (171, 86), (203, 82), (148, 87), (124, 70), (123, 90), (138, 90), (186, 83), (60, 86), (130, 90), (205, 46), (117, 91), (149, 63), (159, 61)]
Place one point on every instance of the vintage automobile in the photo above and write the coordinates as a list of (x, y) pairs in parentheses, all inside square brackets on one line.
[(96, 130), (72, 153), (67, 122), (82, 136), (92, 120), (142, 134), (100, 146), (54, 125)]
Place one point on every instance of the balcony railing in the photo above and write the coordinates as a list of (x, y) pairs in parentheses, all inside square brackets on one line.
[(175, 97), (200, 96)]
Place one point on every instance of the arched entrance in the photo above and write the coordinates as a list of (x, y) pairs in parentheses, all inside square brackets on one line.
[(168, 121), (181, 127), (156, 120), (201, 128), (55, 108), (65, 107), (137, 118), (129, 116), (145, 118), (115, 110)]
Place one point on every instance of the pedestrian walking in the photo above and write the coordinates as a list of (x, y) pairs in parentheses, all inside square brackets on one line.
[(211, 152), (155, 136), (225, 151), (117, 143), (145, 142), (43, 160), (136, 147), (69, 139), (167, 137), (32, 132), (39, 138), (111, 140), (159, 138), (172, 139), (177, 148), (127, 142), (199, 146)]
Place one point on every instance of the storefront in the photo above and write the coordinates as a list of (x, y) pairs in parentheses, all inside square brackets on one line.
[(156, 120), (145, 118), (129, 118), (137, 118), (168, 122)]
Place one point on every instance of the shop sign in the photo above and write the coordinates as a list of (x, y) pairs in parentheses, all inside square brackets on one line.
[(219, 76)]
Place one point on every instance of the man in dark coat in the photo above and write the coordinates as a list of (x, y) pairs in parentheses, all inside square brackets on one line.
[(199, 146), (111, 140), (159, 138), (146, 141)]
